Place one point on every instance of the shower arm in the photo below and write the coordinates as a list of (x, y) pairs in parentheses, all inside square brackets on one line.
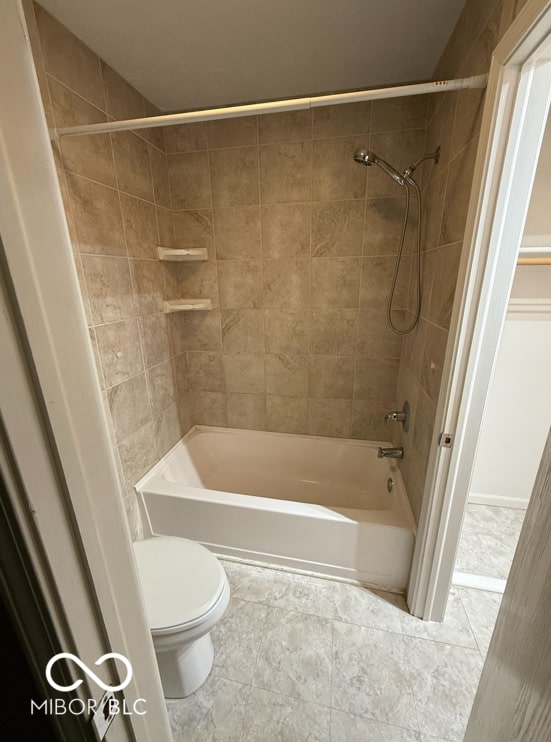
[(408, 172)]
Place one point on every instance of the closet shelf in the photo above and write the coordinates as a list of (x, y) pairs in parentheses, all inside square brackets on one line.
[(187, 305), (188, 253)]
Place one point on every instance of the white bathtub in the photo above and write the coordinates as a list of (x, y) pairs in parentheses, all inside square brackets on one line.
[(319, 505)]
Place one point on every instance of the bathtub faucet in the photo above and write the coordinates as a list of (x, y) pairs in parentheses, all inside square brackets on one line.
[(390, 453)]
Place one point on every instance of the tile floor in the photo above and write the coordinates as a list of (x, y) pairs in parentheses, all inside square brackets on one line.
[(488, 540), (301, 659)]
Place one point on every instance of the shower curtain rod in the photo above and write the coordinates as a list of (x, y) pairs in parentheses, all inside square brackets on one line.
[(253, 109)]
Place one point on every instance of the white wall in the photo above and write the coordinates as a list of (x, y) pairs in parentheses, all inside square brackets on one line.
[(518, 411)]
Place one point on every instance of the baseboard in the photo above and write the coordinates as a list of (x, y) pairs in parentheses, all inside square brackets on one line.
[(479, 498), (491, 584)]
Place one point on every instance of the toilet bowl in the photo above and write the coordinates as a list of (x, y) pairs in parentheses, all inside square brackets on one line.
[(185, 591)]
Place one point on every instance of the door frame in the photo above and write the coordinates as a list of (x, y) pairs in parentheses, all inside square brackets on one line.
[(519, 83), (56, 435)]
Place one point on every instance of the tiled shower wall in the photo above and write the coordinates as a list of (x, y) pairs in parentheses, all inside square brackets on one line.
[(117, 200), (301, 243), (454, 123)]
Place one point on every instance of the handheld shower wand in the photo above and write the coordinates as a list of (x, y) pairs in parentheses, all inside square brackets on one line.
[(366, 157)]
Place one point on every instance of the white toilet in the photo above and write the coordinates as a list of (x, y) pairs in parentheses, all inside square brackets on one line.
[(186, 592)]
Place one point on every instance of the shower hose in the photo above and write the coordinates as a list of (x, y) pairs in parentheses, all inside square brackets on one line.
[(404, 331)]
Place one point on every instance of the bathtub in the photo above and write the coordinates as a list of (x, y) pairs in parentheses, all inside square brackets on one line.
[(320, 505)]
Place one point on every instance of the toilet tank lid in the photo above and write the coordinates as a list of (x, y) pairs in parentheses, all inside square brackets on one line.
[(181, 580)]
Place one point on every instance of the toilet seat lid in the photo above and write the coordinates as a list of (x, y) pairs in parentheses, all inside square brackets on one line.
[(181, 580)]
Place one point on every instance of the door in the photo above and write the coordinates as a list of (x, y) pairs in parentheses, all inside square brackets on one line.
[(513, 701)]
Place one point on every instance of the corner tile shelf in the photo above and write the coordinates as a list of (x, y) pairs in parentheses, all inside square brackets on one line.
[(187, 305), (186, 254)]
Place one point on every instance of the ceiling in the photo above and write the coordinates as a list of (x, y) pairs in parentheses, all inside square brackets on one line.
[(185, 54)]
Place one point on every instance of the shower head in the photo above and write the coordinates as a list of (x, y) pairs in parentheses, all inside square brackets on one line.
[(365, 157)]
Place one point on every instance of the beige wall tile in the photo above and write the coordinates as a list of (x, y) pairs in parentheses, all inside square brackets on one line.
[(138, 452), (97, 217), (287, 414), (433, 361), (240, 283), (247, 411), (337, 228), (392, 114), (287, 375), (109, 288), (286, 230), (375, 338), (198, 280), (384, 218), (413, 349), (186, 137), (333, 331), (165, 227), (287, 330), (168, 429), (244, 373), (131, 156), (433, 208), (83, 73), (335, 282), (287, 126), (129, 405), (205, 371), (161, 184), (341, 120), (368, 419), (335, 175), (234, 132), (203, 330), (377, 276), (375, 378), (119, 350), (90, 156), (171, 281), (234, 176), (189, 180), (140, 224), (154, 337), (286, 172), (122, 100), (331, 377), (458, 192), (209, 408), (161, 386), (443, 288), (194, 229), (147, 280), (286, 283), (330, 417), (181, 377), (237, 232), (242, 330)]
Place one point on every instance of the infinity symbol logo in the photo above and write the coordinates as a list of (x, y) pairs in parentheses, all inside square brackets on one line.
[(86, 669)]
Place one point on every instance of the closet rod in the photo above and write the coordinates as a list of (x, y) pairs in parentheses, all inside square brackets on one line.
[(253, 109)]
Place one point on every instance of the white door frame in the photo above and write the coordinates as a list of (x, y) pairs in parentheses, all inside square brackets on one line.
[(69, 508), (508, 150)]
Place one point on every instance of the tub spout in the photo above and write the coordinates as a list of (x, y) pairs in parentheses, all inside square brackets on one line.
[(391, 453)]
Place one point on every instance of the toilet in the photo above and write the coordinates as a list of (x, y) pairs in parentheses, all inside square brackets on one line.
[(186, 591)]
